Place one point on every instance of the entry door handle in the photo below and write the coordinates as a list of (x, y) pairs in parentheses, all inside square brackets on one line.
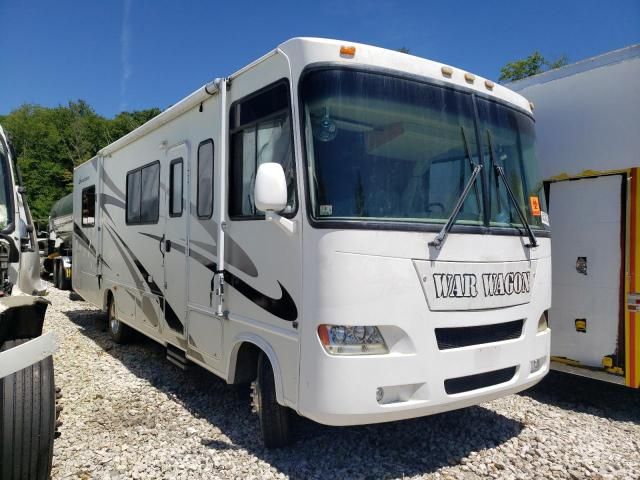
[(167, 246), (161, 244)]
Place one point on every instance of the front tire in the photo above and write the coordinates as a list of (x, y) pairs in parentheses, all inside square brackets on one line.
[(120, 333), (27, 420), (274, 418)]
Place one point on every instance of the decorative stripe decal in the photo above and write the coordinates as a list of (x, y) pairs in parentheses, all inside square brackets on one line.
[(83, 238), (110, 183), (173, 321), (283, 307)]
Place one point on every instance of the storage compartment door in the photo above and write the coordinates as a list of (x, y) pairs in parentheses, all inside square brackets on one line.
[(587, 258)]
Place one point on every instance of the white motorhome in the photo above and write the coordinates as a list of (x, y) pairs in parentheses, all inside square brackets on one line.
[(386, 250), (587, 123)]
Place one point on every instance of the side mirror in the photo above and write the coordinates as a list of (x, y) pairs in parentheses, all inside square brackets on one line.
[(270, 191)]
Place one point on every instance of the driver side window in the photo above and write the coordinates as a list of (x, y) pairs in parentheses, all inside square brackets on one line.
[(260, 129)]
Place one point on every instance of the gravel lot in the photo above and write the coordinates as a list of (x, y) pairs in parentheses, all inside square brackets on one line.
[(128, 413)]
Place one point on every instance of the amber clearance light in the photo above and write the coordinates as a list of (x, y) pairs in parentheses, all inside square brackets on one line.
[(348, 50)]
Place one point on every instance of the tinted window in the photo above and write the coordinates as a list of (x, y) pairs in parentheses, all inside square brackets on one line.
[(89, 206), (133, 196), (175, 188), (149, 201), (205, 179), (261, 132), (508, 140), (388, 148), (143, 192)]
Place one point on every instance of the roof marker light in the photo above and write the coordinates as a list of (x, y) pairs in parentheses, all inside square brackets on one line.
[(348, 50), (447, 71), (489, 84), (531, 105), (469, 77)]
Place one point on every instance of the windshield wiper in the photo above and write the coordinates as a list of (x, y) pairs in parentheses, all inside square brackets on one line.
[(467, 151), (437, 242), (500, 173)]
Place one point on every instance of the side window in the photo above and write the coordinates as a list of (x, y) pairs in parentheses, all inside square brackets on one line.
[(175, 188), (205, 179), (143, 194), (89, 206), (260, 129)]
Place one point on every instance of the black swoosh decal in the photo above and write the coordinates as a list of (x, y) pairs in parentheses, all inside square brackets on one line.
[(78, 231), (173, 321), (283, 307), (84, 239)]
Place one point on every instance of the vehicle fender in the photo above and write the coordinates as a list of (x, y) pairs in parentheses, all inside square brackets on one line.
[(25, 355), (263, 345), (21, 316)]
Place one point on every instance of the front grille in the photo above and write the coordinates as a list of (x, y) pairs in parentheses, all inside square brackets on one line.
[(465, 336), (479, 380)]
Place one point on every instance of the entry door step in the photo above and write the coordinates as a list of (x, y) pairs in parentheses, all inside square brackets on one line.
[(177, 357)]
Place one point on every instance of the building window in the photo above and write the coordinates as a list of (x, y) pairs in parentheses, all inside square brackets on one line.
[(260, 129), (89, 206), (175, 188), (205, 179), (143, 194)]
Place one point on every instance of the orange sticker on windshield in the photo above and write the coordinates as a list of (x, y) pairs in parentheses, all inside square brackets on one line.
[(535, 206)]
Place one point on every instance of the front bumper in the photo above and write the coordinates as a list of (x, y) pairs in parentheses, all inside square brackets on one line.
[(343, 391)]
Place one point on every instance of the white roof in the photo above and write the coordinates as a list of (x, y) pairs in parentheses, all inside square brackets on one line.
[(304, 51)]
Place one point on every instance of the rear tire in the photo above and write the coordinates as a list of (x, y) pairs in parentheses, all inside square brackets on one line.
[(63, 282), (27, 420), (55, 275), (274, 418), (120, 333)]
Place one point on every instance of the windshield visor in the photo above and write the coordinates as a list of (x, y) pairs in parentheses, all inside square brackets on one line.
[(389, 149)]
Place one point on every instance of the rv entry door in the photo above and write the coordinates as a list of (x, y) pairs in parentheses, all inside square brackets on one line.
[(174, 243)]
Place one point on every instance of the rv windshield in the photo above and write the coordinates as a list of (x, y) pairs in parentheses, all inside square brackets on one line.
[(390, 149), (5, 181)]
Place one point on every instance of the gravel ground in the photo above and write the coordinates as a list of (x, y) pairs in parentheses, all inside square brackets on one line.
[(128, 413)]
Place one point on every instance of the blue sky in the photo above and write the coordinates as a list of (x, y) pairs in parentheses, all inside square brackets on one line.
[(134, 54)]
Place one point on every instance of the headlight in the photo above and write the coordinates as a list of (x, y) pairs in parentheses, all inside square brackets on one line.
[(357, 340), (543, 321)]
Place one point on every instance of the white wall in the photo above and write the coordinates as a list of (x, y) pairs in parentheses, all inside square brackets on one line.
[(587, 120)]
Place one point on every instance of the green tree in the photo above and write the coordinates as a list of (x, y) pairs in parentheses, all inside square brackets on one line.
[(532, 65), (50, 142)]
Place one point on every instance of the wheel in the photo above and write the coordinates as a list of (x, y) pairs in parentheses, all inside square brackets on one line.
[(274, 418), (27, 420), (63, 282), (55, 275), (120, 333)]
